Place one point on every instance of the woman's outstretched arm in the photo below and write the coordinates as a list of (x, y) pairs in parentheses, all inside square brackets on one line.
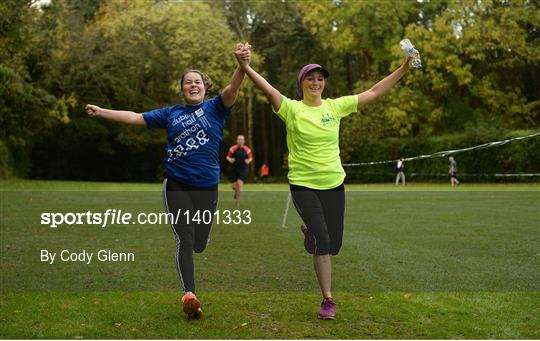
[(271, 93), (384, 85), (230, 92), (128, 117)]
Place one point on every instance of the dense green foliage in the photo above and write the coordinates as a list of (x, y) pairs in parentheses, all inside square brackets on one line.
[(481, 74)]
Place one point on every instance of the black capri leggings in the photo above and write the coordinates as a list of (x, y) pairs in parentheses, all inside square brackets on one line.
[(322, 212), (190, 236)]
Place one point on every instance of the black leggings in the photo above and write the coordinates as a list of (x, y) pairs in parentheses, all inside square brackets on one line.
[(322, 212), (190, 236)]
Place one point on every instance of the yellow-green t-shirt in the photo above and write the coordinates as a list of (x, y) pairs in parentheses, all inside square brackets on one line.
[(313, 140)]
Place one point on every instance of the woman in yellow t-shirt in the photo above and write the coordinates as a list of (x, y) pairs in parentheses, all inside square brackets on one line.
[(315, 171)]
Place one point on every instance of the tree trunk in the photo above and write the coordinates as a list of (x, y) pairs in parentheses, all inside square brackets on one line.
[(264, 132), (249, 138)]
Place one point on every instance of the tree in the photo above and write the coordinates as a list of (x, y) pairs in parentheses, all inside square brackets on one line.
[(480, 58), (26, 108), (128, 55)]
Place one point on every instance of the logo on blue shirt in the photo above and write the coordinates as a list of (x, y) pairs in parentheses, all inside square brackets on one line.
[(194, 137)]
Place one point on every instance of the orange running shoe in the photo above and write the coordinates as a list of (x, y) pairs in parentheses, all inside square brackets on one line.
[(192, 306)]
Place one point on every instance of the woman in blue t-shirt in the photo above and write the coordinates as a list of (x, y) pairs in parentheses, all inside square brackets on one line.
[(192, 172)]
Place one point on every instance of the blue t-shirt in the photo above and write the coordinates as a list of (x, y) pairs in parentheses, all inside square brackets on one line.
[(194, 135)]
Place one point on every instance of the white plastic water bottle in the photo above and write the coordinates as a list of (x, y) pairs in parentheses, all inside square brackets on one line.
[(408, 48)]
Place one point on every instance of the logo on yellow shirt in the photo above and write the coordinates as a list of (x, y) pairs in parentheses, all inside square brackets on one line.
[(328, 120)]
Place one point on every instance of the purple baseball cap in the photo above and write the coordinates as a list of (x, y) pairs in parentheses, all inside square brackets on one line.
[(302, 74)]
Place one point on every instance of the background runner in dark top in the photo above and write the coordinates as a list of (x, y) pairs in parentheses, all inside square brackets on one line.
[(240, 157)]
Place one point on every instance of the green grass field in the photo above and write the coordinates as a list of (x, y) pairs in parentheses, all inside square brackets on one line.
[(425, 261)]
